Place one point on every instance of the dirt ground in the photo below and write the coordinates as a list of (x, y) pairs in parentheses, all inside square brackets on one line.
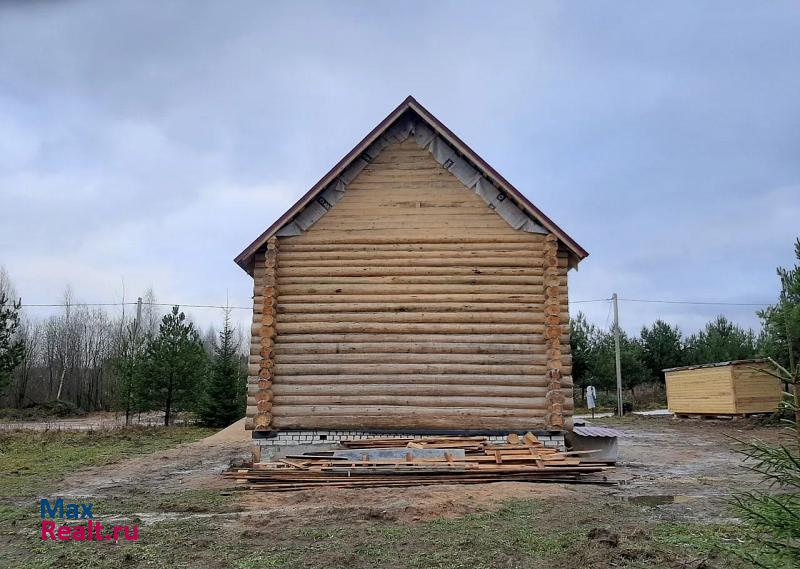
[(670, 509), (676, 469)]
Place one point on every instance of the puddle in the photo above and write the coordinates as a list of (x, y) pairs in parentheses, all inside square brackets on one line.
[(653, 501)]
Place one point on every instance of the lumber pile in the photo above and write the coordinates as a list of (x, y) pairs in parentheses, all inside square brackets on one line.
[(422, 461)]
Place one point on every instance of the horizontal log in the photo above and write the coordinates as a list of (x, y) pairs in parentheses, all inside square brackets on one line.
[(353, 238), (487, 222), (406, 289), (412, 298), (406, 217), (397, 270), (397, 369), (406, 358), (406, 348), (448, 235), (404, 327), (334, 401), (465, 261), (392, 206), (415, 389), (402, 410), (399, 422), (533, 380), (480, 338), (453, 253), (520, 317), (475, 246), (337, 307), (484, 279)]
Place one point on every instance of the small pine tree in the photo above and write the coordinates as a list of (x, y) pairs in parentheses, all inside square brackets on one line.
[(774, 518), (174, 366), (12, 348), (222, 401)]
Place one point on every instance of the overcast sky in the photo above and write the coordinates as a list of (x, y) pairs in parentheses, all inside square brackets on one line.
[(147, 143)]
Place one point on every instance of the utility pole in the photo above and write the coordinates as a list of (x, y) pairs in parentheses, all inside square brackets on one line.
[(615, 300), (138, 315)]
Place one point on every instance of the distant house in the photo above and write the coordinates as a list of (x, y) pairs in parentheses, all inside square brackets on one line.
[(412, 289), (723, 388)]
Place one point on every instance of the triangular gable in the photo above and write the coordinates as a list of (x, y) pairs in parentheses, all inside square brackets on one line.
[(412, 119)]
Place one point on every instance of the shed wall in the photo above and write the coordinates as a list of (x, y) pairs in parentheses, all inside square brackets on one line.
[(410, 305), (702, 390), (755, 391)]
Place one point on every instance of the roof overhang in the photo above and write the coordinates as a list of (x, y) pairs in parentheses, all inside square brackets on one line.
[(245, 258)]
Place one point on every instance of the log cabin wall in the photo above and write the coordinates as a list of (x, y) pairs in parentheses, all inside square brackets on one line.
[(410, 305)]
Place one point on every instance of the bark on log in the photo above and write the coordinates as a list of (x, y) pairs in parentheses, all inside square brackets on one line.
[(406, 348), (402, 369), (410, 389), (503, 404), (404, 338), (407, 412), (404, 328), (537, 380), (413, 298), (420, 317), (409, 358), (398, 423)]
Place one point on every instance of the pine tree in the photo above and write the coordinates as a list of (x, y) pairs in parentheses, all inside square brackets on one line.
[(174, 367), (12, 348), (222, 401), (774, 517), (129, 365), (662, 348)]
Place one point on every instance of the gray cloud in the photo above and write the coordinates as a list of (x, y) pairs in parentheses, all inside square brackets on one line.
[(151, 144)]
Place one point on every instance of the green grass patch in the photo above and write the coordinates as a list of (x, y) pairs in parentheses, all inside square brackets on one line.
[(522, 533), (706, 539), (30, 461)]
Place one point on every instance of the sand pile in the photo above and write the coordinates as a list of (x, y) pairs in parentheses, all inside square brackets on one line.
[(232, 433)]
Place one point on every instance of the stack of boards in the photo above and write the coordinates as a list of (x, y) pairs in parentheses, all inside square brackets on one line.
[(421, 461)]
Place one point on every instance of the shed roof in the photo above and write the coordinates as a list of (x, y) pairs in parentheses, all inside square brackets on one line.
[(718, 364), (245, 258)]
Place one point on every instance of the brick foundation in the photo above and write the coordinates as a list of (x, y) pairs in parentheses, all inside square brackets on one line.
[(291, 438)]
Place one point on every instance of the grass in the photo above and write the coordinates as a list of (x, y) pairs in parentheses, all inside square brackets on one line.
[(30, 461), (707, 539)]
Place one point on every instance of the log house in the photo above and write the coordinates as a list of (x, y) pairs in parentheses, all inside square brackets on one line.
[(412, 289)]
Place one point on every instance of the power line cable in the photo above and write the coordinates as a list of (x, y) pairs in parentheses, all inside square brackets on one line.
[(698, 302), (62, 305), (222, 307)]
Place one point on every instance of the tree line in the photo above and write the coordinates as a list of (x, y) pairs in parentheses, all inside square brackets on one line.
[(86, 358), (95, 361), (662, 345)]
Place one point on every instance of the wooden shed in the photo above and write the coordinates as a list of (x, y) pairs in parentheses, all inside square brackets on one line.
[(724, 388), (411, 289)]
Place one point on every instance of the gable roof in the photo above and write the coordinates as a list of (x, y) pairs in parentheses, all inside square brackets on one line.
[(245, 258)]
